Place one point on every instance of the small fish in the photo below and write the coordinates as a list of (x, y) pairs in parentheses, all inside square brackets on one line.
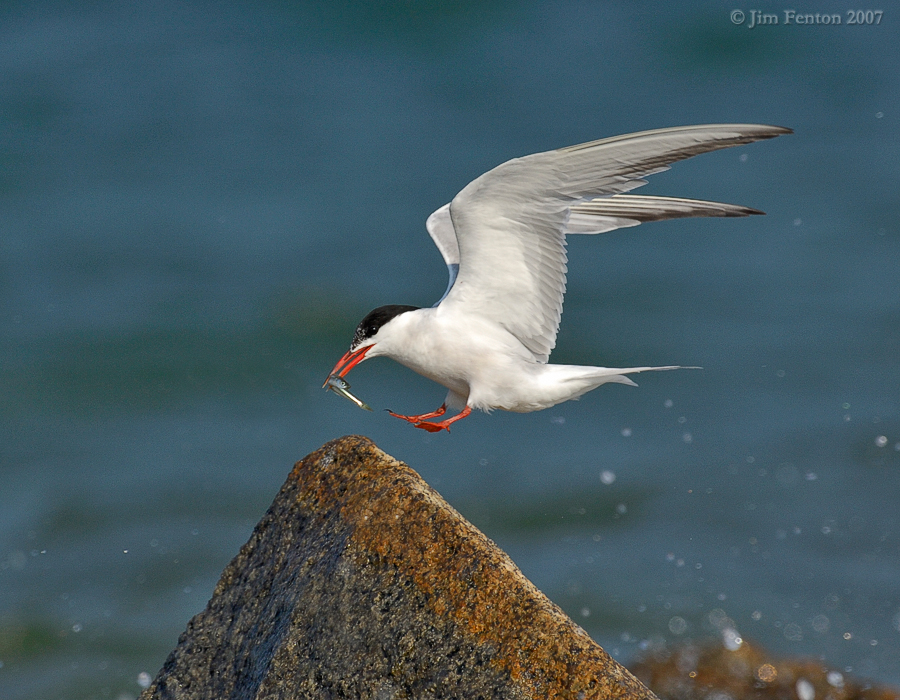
[(340, 386)]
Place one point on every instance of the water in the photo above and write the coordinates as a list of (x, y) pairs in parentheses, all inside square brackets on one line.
[(198, 204)]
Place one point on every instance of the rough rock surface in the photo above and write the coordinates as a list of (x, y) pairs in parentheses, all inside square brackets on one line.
[(362, 582)]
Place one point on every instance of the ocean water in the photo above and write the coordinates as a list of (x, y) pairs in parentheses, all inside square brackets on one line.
[(198, 202)]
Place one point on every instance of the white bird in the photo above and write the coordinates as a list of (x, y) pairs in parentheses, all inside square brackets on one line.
[(503, 238)]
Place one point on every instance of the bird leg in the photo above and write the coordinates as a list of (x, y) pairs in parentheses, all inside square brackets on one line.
[(418, 419), (444, 424)]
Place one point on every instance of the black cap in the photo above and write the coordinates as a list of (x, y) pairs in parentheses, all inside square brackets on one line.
[(375, 319)]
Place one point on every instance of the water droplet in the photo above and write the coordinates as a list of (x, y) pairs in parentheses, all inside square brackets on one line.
[(848, 636), (621, 509), (677, 625), (668, 403), (835, 679), (793, 632), (743, 157), (805, 690), (756, 615), (879, 115), (766, 673), (881, 441), (143, 679), (585, 612), (779, 373), (798, 222), (76, 628), (821, 624), (607, 477), (688, 438), (731, 639), (626, 432)]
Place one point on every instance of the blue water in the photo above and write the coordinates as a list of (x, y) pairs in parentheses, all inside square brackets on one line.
[(198, 202)]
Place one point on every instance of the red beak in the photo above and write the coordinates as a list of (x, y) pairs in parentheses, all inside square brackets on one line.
[(349, 361)]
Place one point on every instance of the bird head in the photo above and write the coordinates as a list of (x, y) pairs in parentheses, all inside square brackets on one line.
[(369, 333)]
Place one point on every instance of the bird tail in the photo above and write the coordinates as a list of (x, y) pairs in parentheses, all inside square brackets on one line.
[(617, 375), (566, 382)]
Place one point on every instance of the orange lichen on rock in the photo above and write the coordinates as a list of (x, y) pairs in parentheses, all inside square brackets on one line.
[(361, 581), (462, 574)]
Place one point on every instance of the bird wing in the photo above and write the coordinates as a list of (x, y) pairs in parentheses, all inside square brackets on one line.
[(440, 228), (509, 225)]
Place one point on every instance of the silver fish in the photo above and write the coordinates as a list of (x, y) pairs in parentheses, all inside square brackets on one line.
[(340, 386)]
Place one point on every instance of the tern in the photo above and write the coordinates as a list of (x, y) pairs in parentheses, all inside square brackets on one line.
[(503, 237)]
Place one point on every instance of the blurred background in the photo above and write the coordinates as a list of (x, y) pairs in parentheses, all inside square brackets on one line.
[(199, 201)]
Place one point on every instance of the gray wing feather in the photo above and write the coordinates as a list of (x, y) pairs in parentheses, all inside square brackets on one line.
[(622, 210), (440, 228), (510, 223)]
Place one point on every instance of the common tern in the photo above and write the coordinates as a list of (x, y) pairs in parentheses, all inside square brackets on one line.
[(503, 237)]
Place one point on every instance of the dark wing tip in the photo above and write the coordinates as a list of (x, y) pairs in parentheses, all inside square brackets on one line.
[(777, 131)]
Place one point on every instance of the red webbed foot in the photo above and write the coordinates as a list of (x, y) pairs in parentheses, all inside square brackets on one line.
[(431, 427)]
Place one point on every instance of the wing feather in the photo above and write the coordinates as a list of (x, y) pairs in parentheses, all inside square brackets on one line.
[(509, 225), (440, 227), (618, 211)]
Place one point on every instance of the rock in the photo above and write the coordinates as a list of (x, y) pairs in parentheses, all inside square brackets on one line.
[(362, 582), (709, 670)]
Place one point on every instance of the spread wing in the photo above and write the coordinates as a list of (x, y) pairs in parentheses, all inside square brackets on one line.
[(505, 231)]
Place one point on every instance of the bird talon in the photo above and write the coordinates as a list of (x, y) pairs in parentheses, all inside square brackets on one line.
[(408, 419)]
